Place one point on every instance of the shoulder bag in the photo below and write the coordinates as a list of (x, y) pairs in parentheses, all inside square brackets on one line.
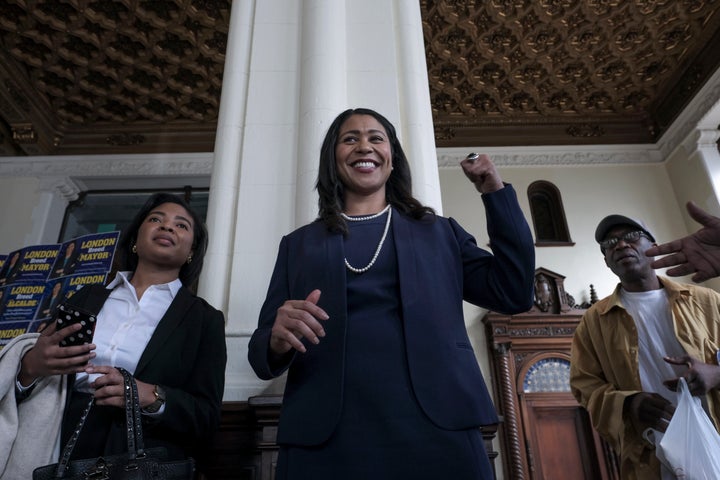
[(137, 464)]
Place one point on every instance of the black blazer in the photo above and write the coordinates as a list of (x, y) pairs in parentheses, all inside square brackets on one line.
[(186, 355), (440, 265)]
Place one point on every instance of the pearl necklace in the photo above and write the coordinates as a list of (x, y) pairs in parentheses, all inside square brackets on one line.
[(382, 240), (368, 217)]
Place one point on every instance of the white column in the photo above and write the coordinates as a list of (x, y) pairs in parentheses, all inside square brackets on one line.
[(308, 60), (225, 178), (415, 109), (386, 71), (323, 93)]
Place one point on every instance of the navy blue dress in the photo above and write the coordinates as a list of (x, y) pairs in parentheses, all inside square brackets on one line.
[(383, 434)]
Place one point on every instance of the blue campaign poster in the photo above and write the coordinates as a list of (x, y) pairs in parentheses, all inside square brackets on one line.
[(10, 267), (54, 295), (33, 265), (87, 254), (34, 280), (74, 283), (20, 303)]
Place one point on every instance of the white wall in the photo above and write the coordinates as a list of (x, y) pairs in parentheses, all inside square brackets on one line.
[(589, 193), (19, 198)]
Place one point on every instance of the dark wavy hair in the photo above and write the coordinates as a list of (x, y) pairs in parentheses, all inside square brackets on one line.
[(398, 189), (189, 272)]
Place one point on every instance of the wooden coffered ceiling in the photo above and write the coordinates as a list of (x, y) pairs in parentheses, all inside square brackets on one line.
[(144, 76)]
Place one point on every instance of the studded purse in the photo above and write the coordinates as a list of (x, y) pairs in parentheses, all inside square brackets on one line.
[(137, 464)]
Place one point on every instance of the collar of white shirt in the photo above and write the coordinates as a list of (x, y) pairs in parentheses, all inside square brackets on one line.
[(125, 277)]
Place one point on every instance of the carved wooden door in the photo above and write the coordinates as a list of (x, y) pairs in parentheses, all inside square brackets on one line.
[(560, 441), (545, 434)]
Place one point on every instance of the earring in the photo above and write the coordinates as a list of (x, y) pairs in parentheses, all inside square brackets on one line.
[(134, 249), (189, 259)]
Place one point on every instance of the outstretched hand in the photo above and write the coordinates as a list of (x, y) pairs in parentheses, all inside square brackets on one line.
[(700, 376), (697, 253), (295, 320), (482, 172), (47, 357)]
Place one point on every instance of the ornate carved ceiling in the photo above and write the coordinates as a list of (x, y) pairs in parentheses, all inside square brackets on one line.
[(131, 76), (534, 72), (101, 76)]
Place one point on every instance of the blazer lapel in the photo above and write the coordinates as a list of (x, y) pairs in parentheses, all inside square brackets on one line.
[(175, 315), (326, 250), (335, 273), (405, 251)]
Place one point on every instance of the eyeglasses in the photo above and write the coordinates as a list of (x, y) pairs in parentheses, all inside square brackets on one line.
[(629, 237)]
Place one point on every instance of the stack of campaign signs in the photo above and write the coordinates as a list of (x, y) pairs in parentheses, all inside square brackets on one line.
[(35, 280)]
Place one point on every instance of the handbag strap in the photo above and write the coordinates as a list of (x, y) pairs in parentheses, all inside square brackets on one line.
[(133, 424), (133, 417), (70, 445)]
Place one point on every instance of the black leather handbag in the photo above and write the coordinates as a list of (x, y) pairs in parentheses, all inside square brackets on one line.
[(137, 464)]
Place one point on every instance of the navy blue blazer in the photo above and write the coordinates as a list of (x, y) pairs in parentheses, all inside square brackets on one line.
[(439, 265), (186, 355)]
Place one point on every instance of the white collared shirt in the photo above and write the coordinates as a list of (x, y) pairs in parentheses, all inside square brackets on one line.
[(125, 325)]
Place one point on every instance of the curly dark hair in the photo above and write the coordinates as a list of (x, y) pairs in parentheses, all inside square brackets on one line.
[(398, 190), (189, 272)]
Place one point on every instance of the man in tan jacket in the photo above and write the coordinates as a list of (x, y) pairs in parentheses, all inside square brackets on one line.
[(631, 347)]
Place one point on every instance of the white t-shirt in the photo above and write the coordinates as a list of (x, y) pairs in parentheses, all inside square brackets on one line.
[(656, 339)]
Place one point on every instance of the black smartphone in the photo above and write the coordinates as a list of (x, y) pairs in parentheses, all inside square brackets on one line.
[(67, 315)]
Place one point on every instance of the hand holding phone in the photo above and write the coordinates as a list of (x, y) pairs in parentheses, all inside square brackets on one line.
[(67, 315)]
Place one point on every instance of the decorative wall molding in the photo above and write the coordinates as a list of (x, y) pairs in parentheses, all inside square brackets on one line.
[(557, 156), (703, 113), (63, 186), (99, 166)]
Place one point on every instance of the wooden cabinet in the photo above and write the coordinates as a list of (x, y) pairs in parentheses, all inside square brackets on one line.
[(544, 432)]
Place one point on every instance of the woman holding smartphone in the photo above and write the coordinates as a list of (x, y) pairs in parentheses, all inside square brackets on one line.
[(150, 324)]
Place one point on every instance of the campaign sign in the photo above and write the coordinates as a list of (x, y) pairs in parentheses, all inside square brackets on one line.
[(11, 267), (35, 263), (22, 300), (86, 254), (75, 282), (10, 329), (54, 296)]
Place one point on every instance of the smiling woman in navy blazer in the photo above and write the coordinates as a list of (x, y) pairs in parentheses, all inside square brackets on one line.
[(364, 310)]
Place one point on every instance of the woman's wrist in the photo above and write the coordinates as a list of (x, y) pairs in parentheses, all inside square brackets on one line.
[(26, 376)]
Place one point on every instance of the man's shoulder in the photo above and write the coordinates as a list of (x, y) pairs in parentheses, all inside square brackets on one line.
[(599, 306)]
